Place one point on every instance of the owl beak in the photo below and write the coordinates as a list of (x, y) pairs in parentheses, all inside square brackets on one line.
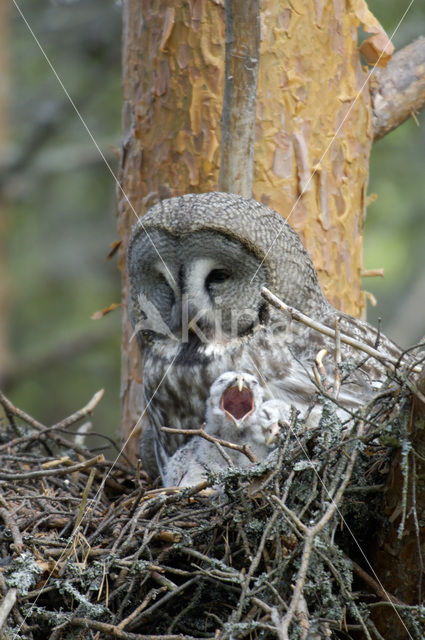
[(273, 432), (237, 401)]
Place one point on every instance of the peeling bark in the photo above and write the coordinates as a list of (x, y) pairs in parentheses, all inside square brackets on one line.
[(173, 73), (240, 96), (314, 135), (398, 91), (313, 130)]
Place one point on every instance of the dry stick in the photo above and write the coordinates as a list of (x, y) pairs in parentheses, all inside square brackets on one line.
[(111, 629), (240, 96), (201, 432), (337, 378), (377, 588), (166, 598), (227, 459), (54, 472), (153, 593), (310, 533), (225, 572), (82, 508), (331, 333), (88, 409), (174, 497), (9, 521), (414, 512), (343, 588), (6, 605), (11, 419), (254, 564), (42, 429)]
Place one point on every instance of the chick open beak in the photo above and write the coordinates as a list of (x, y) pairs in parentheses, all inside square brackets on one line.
[(237, 401)]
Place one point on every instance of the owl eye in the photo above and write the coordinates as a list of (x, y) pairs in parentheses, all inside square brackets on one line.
[(215, 276), (162, 281)]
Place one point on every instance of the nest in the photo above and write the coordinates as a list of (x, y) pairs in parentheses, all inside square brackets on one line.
[(89, 550)]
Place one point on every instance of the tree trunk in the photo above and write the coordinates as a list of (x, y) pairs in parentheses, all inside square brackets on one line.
[(313, 131), (173, 65), (314, 137), (316, 118)]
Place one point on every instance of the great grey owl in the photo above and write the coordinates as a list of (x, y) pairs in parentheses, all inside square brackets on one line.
[(236, 412), (196, 267)]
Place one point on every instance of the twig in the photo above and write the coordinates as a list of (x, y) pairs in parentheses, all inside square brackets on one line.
[(254, 564), (337, 377), (8, 406), (166, 598), (227, 459), (201, 432), (331, 333), (10, 522), (87, 410), (309, 534), (41, 428), (53, 472), (6, 606), (111, 629), (414, 512), (153, 593), (82, 508), (233, 573), (377, 588), (347, 595)]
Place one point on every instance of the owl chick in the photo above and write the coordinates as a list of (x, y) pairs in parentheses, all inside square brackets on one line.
[(236, 412)]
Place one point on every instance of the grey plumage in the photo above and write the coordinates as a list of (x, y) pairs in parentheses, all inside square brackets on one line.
[(206, 256), (256, 428)]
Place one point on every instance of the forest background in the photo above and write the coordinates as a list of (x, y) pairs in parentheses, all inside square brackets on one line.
[(58, 207)]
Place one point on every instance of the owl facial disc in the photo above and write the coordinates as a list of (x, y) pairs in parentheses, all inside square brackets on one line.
[(237, 401)]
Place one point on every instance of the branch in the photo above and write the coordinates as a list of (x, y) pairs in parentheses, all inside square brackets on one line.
[(240, 96), (106, 628), (309, 535), (201, 432), (398, 91), (41, 429), (10, 523), (332, 333), (376, 586), (7, 605), (42, 473)]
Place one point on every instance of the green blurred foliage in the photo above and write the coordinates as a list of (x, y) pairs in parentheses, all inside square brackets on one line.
[(61, 205), (395, 223), (61, 201)]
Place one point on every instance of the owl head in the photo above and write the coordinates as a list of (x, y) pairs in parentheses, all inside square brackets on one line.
[(197, 264), (234, 396), (272, 414)]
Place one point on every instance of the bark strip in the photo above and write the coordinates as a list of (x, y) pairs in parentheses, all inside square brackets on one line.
[(240, 96)]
